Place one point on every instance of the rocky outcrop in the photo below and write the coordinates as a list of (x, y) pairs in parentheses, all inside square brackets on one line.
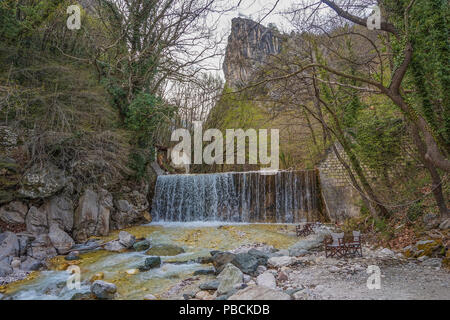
[(249, 45), (92, 215), (131, 210), (60, 239), (42, 181), (36, 221), (14, 213), (9, 246), (59, 210)]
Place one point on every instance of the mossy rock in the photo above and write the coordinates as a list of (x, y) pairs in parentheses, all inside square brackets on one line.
[(164, 250), (428, 247)]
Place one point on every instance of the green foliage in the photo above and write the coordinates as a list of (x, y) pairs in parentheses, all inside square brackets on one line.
[(428, 32), (415, 211), (144, 114), (379, 137), (138, 162)]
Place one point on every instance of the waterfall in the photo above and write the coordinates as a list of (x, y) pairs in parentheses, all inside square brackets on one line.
[(285, 197)]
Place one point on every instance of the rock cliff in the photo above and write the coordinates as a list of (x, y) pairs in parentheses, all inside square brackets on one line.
[(249, 45)]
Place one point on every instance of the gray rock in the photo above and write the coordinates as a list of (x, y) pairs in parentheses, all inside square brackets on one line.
[(114, 246), (164, 250), (126, 239), (153, 262), (36, 221), (445, 224), (25, 240), (247, 263), (266, 279), (42, 248), (433, 263), (9, 246), (60, 239), (311, 242), (92, 215), (73, 255), (278, 262), (211, 285), (387, 252), (130, 211), (221, 259), (13, 213), (431, 221), (229, 278), (59, 210), (260, 255), (259, 293), (297, 252), (31, 264), (42, 181), (141, 245), (103, 290), (5, 268), (261, 269)]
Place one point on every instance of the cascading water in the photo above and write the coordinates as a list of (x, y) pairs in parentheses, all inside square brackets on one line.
[(285, 197)]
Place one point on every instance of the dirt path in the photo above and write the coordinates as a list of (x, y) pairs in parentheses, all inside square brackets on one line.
[(323, 278)]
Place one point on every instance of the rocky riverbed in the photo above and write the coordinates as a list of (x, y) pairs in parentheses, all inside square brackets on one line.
[(217, 261)]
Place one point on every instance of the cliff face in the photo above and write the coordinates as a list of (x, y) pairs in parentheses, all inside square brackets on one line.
[(249, 44)]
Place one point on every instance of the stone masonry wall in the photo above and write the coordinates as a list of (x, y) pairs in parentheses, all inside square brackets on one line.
[(341, 199)]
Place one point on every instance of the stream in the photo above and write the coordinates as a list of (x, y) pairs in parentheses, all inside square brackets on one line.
[(196, 238)]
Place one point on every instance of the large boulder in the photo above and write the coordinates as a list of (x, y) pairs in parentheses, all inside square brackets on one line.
[(42, 248), (221, 259), (36, 221), (92, 215), (126, 239), (247, 263), (103, 290), (278, 262), (9, 246), (59, 210), (114, 246), (25, 240), (229, 278), (42, 181), (259, 293), (13, 213), (130, 211), (60, 239), (31, 264), (5, 268), (164, 250), (313, 241)]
